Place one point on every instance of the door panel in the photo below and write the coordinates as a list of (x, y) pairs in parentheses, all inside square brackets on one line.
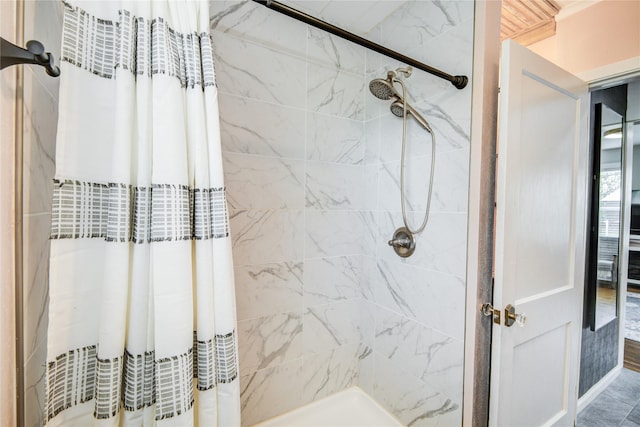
[(540, 238), (530, 368)]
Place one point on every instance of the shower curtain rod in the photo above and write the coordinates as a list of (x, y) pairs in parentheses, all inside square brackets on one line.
[(458, 81)]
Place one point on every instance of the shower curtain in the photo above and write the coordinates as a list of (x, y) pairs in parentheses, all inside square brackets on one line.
[(142, 307)]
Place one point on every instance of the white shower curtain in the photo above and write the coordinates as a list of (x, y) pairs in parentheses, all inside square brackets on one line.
[(142, 308)]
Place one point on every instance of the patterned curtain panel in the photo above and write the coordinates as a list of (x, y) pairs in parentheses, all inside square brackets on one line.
[(142, 327)]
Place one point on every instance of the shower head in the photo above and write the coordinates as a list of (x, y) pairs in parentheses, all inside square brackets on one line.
[(397, 108), (383, 89)]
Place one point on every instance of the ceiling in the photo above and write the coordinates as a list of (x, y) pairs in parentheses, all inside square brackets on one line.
[(528, 21)]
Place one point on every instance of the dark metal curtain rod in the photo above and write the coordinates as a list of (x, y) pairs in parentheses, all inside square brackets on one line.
[(458, 81)]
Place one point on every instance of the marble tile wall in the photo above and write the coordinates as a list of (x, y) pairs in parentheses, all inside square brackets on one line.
[(43, 22), (312, 165), (418, 302), (292, 121)]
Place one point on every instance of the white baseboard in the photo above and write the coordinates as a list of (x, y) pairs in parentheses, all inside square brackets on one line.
[(598, 388)]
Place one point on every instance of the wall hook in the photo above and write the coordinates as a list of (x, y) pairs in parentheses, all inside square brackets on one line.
[(11, 54)]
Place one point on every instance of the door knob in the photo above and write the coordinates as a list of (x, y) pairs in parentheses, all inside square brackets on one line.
[(511, 317)]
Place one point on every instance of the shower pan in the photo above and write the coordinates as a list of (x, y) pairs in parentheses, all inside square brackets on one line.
[(403, 241)]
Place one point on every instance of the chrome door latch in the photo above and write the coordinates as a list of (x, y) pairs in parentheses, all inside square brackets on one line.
[(510, 315)]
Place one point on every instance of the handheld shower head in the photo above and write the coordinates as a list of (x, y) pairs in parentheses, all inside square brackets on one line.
[(397, 108), (383, 89)]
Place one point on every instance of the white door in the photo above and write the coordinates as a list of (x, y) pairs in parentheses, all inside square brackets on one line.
[(540, 240)]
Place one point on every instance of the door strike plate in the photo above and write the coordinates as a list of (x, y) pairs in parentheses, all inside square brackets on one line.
[(488, 310)]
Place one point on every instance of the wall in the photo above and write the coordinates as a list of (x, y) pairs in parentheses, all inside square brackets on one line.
[(418, 302), (603, 34), (8, 87), (633, 114), (43, 22), (311, 166), (599, 349)]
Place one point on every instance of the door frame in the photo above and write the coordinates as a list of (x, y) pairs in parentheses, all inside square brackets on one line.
[(484, 105), (482, 166)]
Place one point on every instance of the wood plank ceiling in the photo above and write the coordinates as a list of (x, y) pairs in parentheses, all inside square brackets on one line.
[(528, 21)]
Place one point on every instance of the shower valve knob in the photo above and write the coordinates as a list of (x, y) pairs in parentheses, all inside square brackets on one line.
[(403, 242), (400, 242)]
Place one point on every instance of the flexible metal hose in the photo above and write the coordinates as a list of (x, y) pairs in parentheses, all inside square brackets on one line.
[(402, 167)]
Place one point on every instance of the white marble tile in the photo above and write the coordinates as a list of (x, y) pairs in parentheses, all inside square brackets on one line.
[(445, 366), (254, 71), (366, 372), (451, 51), (334, 186), (267, 289), (440, 247), (426, 354), (259, 182), (254, 22), (370, 186), (331, 325), (376, 62), (270, 392), (369, 277), (261, 237), (335, 92), (450, 183), (357, 16), (367, 311), (402, 341), (255, 127), (336, 52), (269, 341), (416, 184), (413, 401), (432, 298), (444, 241), (332, 279), (39, 145), (330, 372), (372, 141), (451, 105), (333, 233), (370, 232), (418, 141), (34, 397), (335, 139), (312, 7), (417, 22), (450, 134), (36, 282), (43, 22)]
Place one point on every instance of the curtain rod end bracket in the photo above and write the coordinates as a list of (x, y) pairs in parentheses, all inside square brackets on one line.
[(460, 81)]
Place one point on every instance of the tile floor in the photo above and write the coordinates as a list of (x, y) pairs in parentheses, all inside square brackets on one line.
[(617, 406)]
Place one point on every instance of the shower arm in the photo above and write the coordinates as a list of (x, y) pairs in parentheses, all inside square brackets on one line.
[(458, 81), (10, 54)]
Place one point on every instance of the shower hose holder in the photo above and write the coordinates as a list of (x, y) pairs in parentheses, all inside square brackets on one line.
[(403, 242)]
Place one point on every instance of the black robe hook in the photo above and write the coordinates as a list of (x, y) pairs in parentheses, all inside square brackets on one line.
[(11, 54)]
